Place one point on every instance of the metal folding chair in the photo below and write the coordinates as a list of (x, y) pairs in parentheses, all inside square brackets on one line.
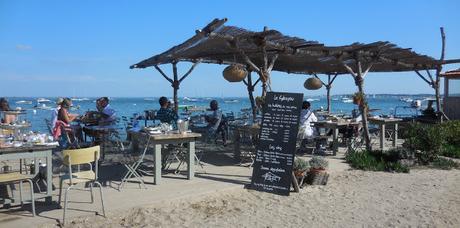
[(133, 164)]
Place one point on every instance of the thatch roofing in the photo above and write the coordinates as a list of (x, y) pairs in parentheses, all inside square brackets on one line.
[(221, 44)]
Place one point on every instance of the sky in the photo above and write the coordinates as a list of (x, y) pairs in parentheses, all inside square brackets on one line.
[(85, 48)]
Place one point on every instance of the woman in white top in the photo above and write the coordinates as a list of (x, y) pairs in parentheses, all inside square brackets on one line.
[(306, 131)]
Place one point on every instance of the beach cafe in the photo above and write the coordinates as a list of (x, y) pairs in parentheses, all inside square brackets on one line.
[(155, 159)]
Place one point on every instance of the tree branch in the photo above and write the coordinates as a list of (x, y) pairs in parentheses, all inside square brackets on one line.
[(189, 71), (163, 74)]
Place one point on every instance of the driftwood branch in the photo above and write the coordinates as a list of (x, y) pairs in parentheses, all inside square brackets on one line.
[(333, 79), (424, 79), (163, 74), (272, 63), (189, 71), (316, 76)]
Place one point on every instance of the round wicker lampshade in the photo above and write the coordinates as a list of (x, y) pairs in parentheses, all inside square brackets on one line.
[(313, 84), (235, 73)]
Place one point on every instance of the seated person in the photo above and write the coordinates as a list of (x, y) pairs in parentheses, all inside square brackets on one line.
[(166, 114), (216, 122), (65, 118), (4, 106), (54, 114), (108, 114), (306, 131), (429, 111)]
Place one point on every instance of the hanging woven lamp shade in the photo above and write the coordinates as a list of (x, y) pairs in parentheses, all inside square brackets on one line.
[(235, 73), (313, 84)]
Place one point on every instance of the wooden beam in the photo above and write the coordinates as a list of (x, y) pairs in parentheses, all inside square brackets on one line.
[(272, 63), (163, 74), (424, 79), (316, 76), (189, 71)]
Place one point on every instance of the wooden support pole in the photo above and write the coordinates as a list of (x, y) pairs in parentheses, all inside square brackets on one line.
[(175, 86), (424, 79), (438, 72), (189, 71), (359, 75), (250, 88), (328, 86)]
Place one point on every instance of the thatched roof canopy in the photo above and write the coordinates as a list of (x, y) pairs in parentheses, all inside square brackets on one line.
[(221, 44)]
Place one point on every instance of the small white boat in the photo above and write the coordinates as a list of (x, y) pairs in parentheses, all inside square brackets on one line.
[(312, 99), (44, 107), (347, 100), (43, 100), (149, 99), (79, 99), (231, 101), (190, 99), (23, 102)]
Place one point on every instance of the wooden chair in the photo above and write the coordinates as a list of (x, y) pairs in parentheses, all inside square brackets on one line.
[(77, 157), (11, 178)]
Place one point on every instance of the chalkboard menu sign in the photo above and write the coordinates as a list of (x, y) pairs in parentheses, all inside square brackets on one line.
[(277, 143)]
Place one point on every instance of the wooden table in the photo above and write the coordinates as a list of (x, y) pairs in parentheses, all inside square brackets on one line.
[(157, 140), (334, 126), (27, 152), (382, 122), (237, 131)]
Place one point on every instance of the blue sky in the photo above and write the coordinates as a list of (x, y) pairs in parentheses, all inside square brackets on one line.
[(85, 48)]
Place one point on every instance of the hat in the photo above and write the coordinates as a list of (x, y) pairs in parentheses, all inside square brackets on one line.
[(59, 100)]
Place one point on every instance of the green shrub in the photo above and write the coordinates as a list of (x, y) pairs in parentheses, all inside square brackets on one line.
[(376, 161), (445, 163), (319, 163), (426, 141), (452, 132), (301, 165), (452, 151)]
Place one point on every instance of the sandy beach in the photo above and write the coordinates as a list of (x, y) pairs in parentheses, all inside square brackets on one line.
[(423, 198)]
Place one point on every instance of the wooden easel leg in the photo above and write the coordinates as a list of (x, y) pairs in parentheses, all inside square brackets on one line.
[(295, 184)]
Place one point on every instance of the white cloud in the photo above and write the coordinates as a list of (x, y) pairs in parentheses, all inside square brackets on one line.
[(23, 47)]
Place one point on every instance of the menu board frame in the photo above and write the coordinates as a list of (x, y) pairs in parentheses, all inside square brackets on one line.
[(272, 169)]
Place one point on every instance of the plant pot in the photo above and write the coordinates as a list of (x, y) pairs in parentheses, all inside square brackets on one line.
[(300, 173), (317, 177)]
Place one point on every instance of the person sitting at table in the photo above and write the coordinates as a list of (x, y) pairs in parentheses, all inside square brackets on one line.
[(306, 131), (55, 112), (166, 114), (4, 106), (108, 114), (216, 122), (65, 119)]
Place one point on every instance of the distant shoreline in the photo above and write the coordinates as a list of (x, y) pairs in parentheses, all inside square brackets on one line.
[(143, 97)]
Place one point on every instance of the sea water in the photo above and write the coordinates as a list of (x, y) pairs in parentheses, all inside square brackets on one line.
[(37, 112)]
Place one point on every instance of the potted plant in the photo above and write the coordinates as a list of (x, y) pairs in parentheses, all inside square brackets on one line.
[(358, 98), (317, 174), (300, 167)]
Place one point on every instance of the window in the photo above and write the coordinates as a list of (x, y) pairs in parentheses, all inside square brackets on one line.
[(454, 88)]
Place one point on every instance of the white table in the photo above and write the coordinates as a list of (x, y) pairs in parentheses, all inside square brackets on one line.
[(157, 140), (381, 122), (33, 152), (334, 126)]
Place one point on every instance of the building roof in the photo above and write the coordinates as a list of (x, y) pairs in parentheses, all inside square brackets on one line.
[(220, 44), (451, 74)]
